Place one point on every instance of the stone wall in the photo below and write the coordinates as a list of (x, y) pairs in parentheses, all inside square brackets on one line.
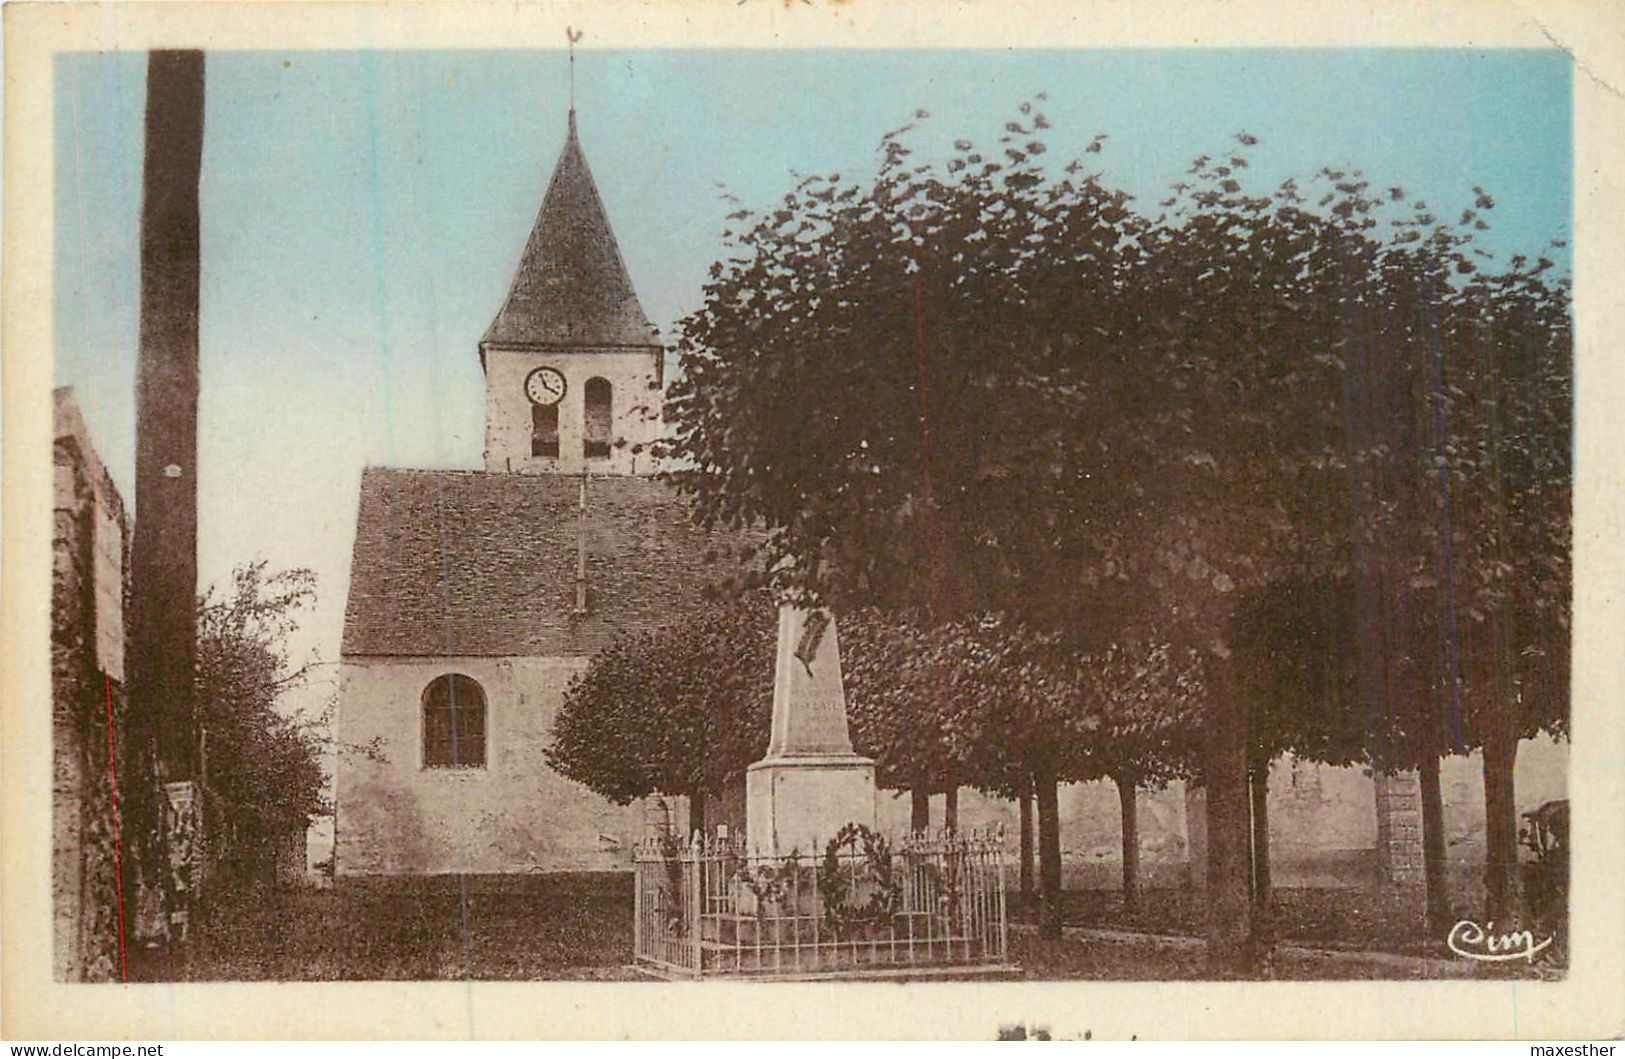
[(1329, 827), (89, 548), (1400, 874), (1325, 828)]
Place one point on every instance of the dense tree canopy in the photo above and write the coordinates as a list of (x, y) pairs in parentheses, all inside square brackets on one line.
[(985, 702), (684, 708), (1146, 704), (1147, 699), (897, 702), (981, 387)]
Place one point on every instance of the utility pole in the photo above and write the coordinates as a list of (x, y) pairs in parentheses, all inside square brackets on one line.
[(162, 655)]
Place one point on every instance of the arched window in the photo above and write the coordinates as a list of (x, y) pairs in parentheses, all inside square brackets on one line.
[(544, 430), (453, 723), (595, 441)]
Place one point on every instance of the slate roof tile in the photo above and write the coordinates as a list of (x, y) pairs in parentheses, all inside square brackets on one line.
[(474, 563), (571, 289)]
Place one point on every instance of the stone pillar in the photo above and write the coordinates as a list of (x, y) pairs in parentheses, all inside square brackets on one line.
[(811, 783), (1399, 838), (657, 817)]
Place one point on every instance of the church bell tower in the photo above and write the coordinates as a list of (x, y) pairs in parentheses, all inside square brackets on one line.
[(572, 365)]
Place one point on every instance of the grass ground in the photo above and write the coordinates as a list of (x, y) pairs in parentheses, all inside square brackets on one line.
[(1339, 918), (571, 927), (579, 927)]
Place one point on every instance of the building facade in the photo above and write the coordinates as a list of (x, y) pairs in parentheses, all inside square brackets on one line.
[(90, 552)]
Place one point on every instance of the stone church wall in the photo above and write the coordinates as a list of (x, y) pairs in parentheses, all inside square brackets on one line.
[(514, 815)]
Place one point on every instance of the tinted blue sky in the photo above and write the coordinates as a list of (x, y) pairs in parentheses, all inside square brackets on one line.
[(363, 211)]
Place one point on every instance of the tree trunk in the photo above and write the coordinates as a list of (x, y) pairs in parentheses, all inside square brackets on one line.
[(950, 801), (1230, 950), (1500, 829), (919, 813), (696, 813), (1049, 853), (1027, 845), (1433, 856), (1126, 797), (1263, 892)]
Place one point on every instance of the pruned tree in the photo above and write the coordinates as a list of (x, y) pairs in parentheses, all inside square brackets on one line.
[(682, 709), (1300, 670), (1505, 396), (983, 388), (1147, 699), (1021, 723), (897, 706), (887, 376)]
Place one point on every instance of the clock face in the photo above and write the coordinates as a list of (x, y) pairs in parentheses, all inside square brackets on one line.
[(545, 386)]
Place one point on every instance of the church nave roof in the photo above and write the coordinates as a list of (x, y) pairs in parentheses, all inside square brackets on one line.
[(474, 563)]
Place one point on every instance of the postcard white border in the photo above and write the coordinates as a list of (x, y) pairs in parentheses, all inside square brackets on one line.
[(1589, 1003)]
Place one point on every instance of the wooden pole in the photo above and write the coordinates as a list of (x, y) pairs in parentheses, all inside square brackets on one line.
[(163, 554)]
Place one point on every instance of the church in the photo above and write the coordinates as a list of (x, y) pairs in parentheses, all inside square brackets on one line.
[(475, 596)]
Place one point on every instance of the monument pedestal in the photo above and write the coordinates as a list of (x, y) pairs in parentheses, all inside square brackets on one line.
[(800, 803), (811, 783)]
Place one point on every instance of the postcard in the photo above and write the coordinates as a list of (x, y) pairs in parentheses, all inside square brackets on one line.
[(923, 520)]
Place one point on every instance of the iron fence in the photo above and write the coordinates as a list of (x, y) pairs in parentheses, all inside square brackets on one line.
[(863, 906)]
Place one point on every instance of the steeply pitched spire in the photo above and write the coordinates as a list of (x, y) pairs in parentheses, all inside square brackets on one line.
[(571, 289)]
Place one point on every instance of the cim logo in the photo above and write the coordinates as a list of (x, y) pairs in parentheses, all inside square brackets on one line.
[(1473, 942)]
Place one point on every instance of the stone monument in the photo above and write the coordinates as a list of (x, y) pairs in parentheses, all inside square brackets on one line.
[(811, 783)]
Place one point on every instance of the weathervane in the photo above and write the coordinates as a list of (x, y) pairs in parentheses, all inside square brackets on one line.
[(572, 36)]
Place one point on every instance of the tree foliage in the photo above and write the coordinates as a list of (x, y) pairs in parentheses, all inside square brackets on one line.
[(1299, 640), (967, 383), (989, 700), (680, 709), (897, 702), (1313, 431), (1022, 708), (686, 707), (263, 763), (1147, 703)]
